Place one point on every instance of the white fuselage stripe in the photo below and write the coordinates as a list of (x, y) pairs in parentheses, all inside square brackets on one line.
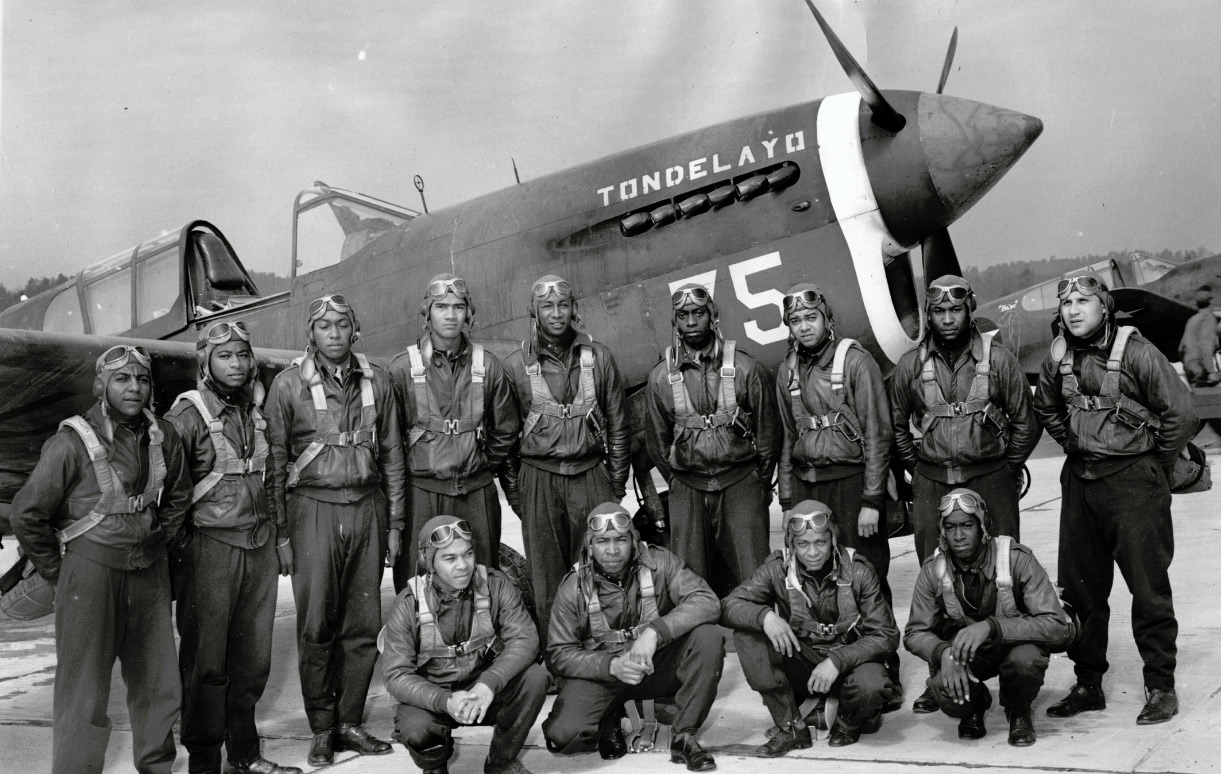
[(856, 209)]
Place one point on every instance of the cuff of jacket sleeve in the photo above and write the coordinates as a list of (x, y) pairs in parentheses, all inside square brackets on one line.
[(398, 522), (493, 681), (837, 660), (442, 699), (994, 629), (761, 617), (664, 635), (938, 652), (877, 502)]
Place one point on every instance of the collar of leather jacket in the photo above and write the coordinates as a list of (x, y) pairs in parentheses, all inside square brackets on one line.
[(823, 354), (976, 346), (711, 354), (534, 353), (985, 563)]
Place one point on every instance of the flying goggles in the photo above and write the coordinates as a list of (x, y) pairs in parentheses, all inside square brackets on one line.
[(318, 307), (807, 298), (683, 296), (121, 354), (543, 288), (1088, 285), (223, 332), (798, 523), (965, 501), (438, 288), (618, 521), (447, 533), (955, 293)]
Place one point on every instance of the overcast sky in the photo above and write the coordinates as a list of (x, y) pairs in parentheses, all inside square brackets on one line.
[(121, 119)]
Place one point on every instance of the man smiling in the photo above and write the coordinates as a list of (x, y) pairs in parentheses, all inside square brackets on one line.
[(459, 650)]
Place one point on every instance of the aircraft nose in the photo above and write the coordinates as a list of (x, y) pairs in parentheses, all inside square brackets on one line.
[(969, 146)]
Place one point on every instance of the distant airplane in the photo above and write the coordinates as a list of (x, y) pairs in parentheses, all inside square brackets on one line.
[(835, 191)]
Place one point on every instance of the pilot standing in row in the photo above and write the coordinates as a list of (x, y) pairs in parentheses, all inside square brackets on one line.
[(338, 483), (715, 436), (458, 412), (226, 580), (574, 448), (108, 494), (1123, 415), (971, 402)]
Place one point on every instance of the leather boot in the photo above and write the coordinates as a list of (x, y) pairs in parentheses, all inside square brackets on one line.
[(611, 745), (261, 765), (1021, 727), (783, 739), (1082, 698), (972, 726), (1160, 706), (322, 751), (842, 735), (685, 748), (357, 739), (925, 703)]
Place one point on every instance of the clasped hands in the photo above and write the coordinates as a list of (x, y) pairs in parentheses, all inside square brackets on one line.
[(956, 677), (469, 707), (634, 665)]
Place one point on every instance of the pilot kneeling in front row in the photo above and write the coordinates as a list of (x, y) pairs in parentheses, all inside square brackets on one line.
[(984, 606), (459, 650), (811, 621), (631, 621)]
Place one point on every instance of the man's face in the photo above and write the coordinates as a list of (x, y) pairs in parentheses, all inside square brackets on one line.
[(128, 390), (612, 550), (963, 534), (554, 314), (812, 548), (446, 317), (332, 335), (809, 326), (950, 320), (231, 364), (454, 565), (1082, 314), (694, 324)]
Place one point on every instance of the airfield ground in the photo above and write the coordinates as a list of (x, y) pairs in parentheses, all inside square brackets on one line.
[(1106, 741)]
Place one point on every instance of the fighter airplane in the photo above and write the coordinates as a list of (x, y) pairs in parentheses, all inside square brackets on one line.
[(837, 191)]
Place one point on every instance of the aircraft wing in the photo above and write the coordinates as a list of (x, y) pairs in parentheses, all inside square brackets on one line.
[(47, 377), (1161, 320)]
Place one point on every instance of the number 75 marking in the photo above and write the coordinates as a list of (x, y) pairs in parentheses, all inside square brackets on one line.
[(738, 272)]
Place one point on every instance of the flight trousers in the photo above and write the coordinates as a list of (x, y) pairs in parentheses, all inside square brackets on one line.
[(480, 508), (101, 614), (998, 488), (1021, 669), (688, 669), (723, 536), (226, 612), (554, 510), (781, 682), (428, 735), (1121, 519), (338, 549)]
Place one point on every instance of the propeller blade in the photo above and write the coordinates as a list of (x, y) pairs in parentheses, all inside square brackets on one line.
[(939, 256), (884, 115), (949, 61)]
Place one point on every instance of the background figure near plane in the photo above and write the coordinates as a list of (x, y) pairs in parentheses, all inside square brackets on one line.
[(1198, 348), (574, 449), (457, 408), (337, 475), (715, 436)]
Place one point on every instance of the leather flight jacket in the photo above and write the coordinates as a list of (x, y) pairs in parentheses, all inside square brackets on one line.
[(827, 624)]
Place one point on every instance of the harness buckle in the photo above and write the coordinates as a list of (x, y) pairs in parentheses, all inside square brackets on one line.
[(452, 426), (708, 420), (566, 411)]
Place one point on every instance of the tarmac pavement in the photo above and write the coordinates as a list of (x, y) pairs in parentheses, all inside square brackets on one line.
[(1107, 741)]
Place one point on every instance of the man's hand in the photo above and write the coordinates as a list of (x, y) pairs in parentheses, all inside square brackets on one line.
[(284, 552), (968, 641), (823, 676), (781, 635), (480, 698), (456, 705), (394, 546), (955, 678), (867, 522), (625, 670), (644, 647)]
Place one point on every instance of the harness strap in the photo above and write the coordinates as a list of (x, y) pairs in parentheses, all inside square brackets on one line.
[(544, 404), (600, 632), (326, 428), (726, 410), (114, 499), (1110, 397), (432, 644), (428, 415), (227, 462), (977, 401), (1006, 604), (801, 615)]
